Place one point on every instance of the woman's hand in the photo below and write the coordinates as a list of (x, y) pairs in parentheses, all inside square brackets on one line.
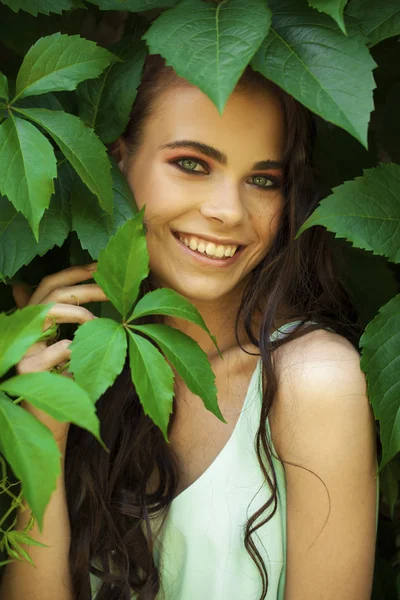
[(46, 355)]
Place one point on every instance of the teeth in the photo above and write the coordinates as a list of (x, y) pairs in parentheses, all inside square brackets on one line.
[(208, 248)]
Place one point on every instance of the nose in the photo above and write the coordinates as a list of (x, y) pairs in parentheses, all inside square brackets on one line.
[(225, 206)]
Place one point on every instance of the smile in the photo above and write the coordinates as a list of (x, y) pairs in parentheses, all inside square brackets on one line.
[(208, 251)]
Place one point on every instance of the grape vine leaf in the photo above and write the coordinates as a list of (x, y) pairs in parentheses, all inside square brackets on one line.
[(165, 301), (34, 7), (105, 103), (27, 169), (365, 211), (333, 8), (93, 225), (58, 396), (189, 360), (31, 450), (380, 361), (210, 45), (379, 20), (60, 62), (81, 147), (98, 353), (123, 265), (304, 53), (153, 379), (3, 86), (19, 332)]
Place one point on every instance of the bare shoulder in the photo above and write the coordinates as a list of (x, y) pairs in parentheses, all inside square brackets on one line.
[(322, 422)]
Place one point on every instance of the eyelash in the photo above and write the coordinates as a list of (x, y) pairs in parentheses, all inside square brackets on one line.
[(274, 180)]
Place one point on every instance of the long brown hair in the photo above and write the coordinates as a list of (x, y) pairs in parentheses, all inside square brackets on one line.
[(108, 498)]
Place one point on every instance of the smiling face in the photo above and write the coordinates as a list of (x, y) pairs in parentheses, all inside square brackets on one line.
[(212, 185)]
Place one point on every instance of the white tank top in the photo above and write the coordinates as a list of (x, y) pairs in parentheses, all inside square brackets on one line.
[(200, 552)]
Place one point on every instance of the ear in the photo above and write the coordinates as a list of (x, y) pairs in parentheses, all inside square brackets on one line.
[(118, 152)]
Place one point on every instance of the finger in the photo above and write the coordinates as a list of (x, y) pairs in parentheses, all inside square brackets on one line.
[(66, 313), (67, 277), (89, 292), (21, 293), (47, 359)]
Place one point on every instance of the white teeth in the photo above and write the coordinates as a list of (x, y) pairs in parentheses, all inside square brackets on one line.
[(208, 248)]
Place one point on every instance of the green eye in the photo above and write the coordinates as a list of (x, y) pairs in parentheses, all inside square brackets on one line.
[(262, 181), (189, 164)]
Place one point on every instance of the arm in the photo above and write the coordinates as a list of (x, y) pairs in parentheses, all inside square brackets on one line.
[(51, 577), (323, 421)]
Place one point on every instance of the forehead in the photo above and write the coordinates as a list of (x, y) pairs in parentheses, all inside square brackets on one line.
[(252, 121)]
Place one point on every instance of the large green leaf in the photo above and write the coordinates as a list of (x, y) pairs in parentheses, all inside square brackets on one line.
[(379, 20), (132, 5), (17, 243), (380, 361), (168, 302), (3, 86), (32, 452), (60, 62), (58, 396), (389, 484), (365, 211), (189, 360), (27, 169), (98, 353), (93, 225), (106, 102), (81, 146), (333, 8), (306, 54), (19, 332), (43, 6), (153, 379), (123, 265), (210, 45)]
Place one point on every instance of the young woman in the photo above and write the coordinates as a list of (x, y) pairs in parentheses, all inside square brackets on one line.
[(280, 502)]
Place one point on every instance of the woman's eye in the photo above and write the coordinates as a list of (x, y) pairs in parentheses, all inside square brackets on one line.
[(263, 181), (189, 164)]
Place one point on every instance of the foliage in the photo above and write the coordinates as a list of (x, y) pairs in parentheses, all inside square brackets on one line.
[(66, 89)]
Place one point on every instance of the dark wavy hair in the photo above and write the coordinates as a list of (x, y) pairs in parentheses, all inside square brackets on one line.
[(109, 499)]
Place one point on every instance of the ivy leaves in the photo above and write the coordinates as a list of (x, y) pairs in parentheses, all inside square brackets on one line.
[(27, 160), (98, 351)]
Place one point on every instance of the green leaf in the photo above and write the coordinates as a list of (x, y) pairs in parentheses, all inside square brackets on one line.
[(208, 45), (45, 7), (3, 86), (82, 148), (380, 361), (379, 20), (93, 225), (168, 302), (365, 211), (306, 54), (189, 360), (132, 5), (27, 169), (333, 8), (389, 484), (123, 265), (58, 396), (19, 332), (53, 229), (98, 353), (153, 379), (32, 452), (60, 62), (106, 102)]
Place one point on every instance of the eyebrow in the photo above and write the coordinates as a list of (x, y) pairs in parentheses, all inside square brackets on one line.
[(219, 156)]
